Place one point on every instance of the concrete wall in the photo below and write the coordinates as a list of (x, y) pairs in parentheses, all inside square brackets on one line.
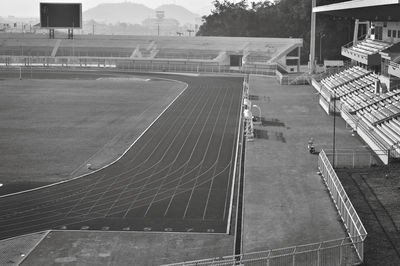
[(389, 26)]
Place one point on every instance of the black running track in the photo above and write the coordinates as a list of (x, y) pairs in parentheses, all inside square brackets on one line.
[(177, 177)]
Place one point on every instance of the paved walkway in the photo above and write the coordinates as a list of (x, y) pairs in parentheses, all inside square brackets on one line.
[(285, 201)]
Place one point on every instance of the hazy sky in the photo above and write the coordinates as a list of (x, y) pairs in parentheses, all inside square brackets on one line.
[(30, 8)]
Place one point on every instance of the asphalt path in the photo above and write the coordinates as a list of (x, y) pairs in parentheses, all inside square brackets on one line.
[(177, 177)]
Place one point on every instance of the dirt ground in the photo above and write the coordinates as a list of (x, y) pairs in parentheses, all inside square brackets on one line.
[(375, 194), (126, 248)]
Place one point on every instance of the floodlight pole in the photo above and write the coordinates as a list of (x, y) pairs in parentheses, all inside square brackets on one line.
[(312, 41), (334, 129), (320, 46)]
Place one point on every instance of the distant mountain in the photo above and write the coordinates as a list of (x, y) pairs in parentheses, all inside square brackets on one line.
[(179, 13), (119, 12), (136, 13)]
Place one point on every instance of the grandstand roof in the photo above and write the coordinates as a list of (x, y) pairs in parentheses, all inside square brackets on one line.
[(373, 10)]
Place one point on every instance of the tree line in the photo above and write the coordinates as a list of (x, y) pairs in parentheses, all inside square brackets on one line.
[(280, 19)]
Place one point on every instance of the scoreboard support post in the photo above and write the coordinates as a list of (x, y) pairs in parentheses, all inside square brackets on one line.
[(51, 33), (70, 34)]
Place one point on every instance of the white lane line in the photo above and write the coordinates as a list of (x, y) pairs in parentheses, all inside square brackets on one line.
[(191, 154), (142, 188), (205, 152), (219, 153), (176, 156)]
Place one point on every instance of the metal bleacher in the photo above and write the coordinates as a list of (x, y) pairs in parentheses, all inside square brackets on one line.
[(379, 112), (370, 46), (187, 54)]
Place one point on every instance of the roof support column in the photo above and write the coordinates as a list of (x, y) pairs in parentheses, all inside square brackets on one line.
[(355, 35), (298, 60)]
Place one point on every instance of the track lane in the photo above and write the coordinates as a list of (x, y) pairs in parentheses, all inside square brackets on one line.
[(154, 171)]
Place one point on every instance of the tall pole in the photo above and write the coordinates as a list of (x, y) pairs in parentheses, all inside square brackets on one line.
[(334, 129), (312, 41), (320, 47)]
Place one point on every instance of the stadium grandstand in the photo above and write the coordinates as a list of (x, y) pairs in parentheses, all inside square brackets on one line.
[(198, 54), (366, 91)]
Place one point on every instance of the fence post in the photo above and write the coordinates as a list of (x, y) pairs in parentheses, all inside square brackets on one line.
[(341, 252), (388, 156), (319, 254), (294, 256)]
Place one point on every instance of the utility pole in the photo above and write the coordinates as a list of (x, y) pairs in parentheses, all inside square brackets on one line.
[(334, 129), (160, 16), (312, 41)]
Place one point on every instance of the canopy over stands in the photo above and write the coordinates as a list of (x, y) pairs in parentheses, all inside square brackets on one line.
[(371, 10)]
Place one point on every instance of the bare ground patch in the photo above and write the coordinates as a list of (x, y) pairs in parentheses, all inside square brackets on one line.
[(375, 193)]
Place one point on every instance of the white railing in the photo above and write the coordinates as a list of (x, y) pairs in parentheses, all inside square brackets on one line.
[(328, 253), (136, 65), (293, 79), (347, 212), (355, 158)]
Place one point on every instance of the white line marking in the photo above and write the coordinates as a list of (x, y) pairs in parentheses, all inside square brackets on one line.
[(168, 174), (208, 145), (219, 153), (234, 167)]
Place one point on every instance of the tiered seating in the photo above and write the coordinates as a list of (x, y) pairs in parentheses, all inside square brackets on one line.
[(258, 57), (94, 51), (369, 46), (390, 131), (382, 115), (344, 77), (379, 114), (27, 47), (358, 93), (380, 108), (147, 47), (187, 54)]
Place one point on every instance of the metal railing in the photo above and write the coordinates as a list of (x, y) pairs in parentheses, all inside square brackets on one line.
[(347, 212), (328, 253), (333, 70), (353, 158), (346, 251), (136, 65), (394, 65), (293, 79)]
